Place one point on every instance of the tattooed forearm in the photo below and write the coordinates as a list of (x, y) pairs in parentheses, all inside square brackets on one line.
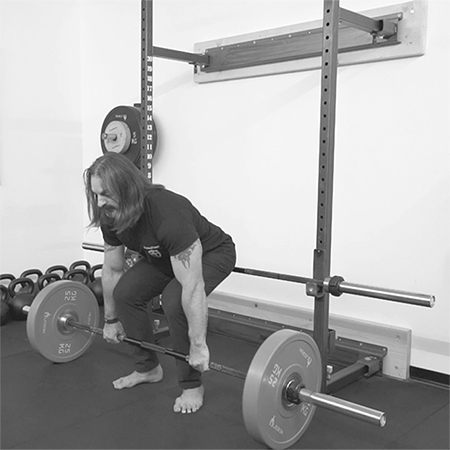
[(185, 257)]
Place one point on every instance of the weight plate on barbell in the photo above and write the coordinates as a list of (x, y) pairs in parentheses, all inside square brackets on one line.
[(46, 330), (269, 416)]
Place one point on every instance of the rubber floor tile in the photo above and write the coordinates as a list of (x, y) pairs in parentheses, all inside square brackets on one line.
[(74, 405), (148, 424), (428, 434)]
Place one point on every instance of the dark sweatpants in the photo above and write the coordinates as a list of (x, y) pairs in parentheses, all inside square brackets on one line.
[(142, 283)]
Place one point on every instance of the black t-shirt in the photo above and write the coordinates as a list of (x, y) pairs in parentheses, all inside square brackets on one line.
[(169, 225)]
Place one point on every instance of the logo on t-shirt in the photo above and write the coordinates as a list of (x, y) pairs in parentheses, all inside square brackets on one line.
[(153, 251)]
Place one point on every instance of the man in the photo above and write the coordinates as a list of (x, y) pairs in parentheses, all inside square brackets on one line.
[(185, 257)]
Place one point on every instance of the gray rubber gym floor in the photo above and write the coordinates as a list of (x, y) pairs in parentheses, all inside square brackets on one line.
[(74, 406)]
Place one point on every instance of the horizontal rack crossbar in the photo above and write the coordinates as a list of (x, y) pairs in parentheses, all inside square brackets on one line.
[(367, 24), (176, 55)]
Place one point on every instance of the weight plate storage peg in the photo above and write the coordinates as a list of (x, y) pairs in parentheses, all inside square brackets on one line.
[(286, 358), (47, 330)]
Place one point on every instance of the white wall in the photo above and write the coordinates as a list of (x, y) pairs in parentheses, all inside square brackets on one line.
[(40, 134), (246, 153)]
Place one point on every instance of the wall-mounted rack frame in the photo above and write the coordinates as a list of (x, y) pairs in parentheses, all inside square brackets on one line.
[(147, 125), (342, 37)]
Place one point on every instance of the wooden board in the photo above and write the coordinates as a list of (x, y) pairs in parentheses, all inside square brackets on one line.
[(411, 34), (397, 340)]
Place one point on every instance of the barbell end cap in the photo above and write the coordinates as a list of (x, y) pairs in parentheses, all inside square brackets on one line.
[(383, 420), (432, 301)]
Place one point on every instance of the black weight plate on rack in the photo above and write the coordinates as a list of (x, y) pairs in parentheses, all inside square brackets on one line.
[(125, 123)]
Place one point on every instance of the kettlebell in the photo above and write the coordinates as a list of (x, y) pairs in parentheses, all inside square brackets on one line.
[(5, 313), (29, 274), (76, 265), (46, 279), (95, 283), (24, 297), (5, 310), (4, 293), (57, 268), (79, 275), (7, 276)]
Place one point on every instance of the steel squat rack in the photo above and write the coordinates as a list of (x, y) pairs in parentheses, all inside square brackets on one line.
[(323, 42)]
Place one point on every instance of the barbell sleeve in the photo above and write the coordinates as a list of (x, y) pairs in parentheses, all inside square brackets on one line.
[(109, 136), (344, 407), (387, 294)]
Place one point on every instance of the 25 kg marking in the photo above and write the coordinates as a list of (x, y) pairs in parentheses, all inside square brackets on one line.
[(275, 375), (70, 296), (64, 348)]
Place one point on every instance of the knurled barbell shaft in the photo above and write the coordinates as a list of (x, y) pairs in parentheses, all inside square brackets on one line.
[(276, 276), (69, 321), (159, 349)]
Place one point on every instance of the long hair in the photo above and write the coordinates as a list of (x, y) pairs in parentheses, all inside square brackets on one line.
[(124, 182)]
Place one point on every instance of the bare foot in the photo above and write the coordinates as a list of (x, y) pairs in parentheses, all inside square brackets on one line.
[(135, 378), (191, 400)]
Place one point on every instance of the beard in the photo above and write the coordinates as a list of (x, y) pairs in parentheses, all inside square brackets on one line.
[(109, 211)]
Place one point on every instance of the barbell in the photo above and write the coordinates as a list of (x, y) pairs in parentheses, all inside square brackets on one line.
[(335, 285), (280, 393)]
